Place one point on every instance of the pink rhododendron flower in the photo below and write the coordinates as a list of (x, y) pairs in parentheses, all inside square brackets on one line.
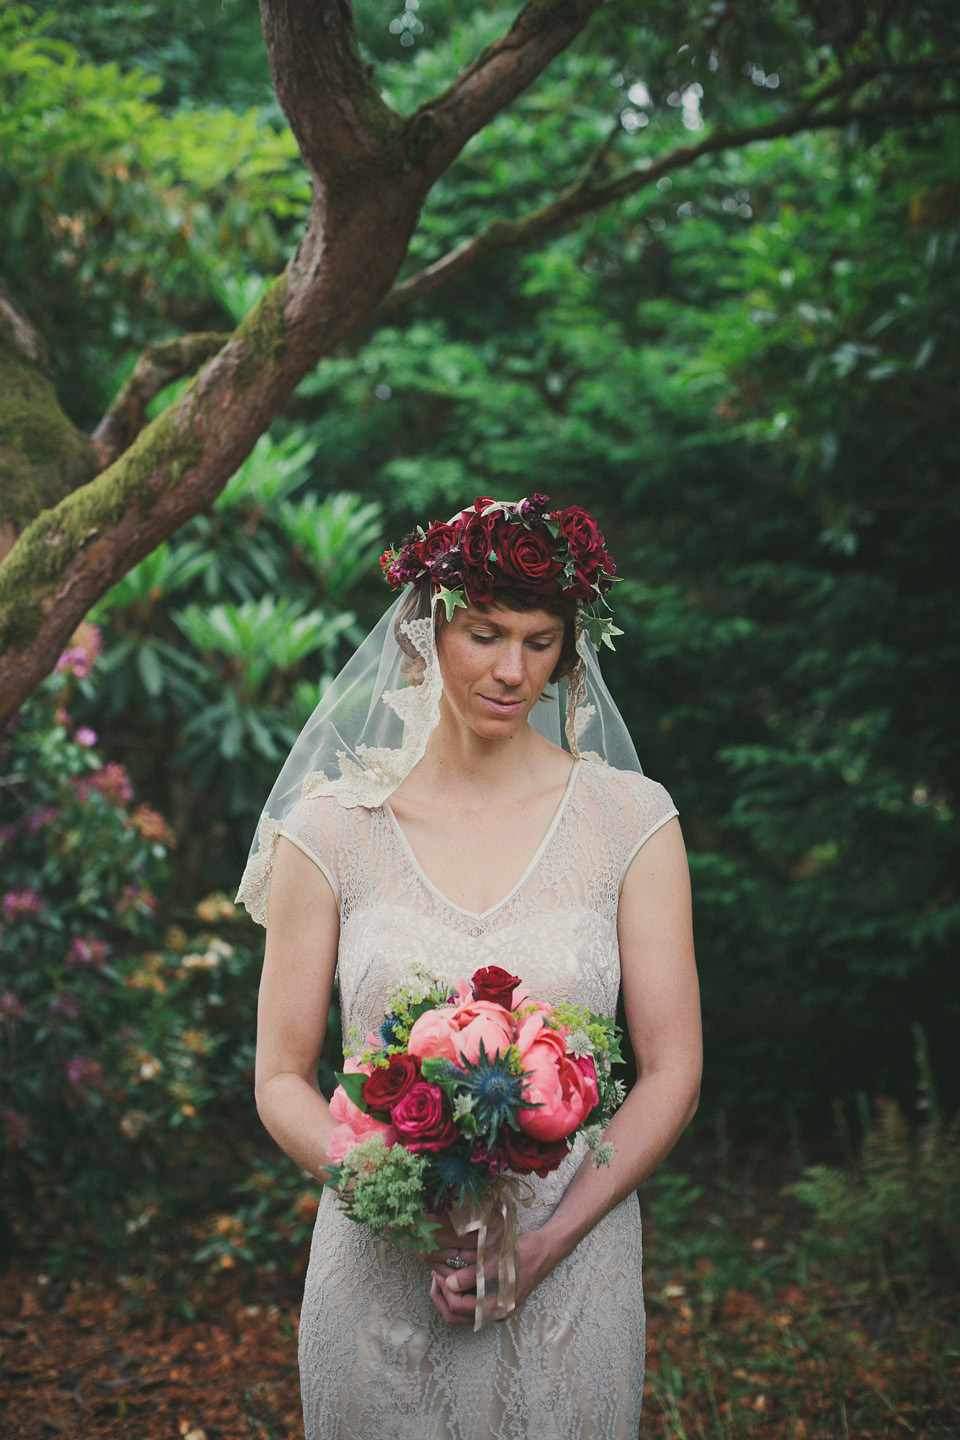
[(40, 817), (78, 659), (11, 1006), (86, 950), (84, 1074), (558, 1084), (20, 902), (86, 737)]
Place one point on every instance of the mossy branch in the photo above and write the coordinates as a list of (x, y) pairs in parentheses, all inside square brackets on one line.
[(158, 366)]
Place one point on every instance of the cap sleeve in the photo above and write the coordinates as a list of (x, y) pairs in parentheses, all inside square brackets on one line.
[(312, 826), (649, 807)]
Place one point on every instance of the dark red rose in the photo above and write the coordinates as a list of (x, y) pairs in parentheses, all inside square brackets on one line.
[(438, 540), (423, 1118), (526, 558), (492, 983), (475, 546), (583, 536), (527, 1156), (385, 1087), (479, 505)]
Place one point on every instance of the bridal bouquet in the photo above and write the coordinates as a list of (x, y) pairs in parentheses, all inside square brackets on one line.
[(456, 1094)]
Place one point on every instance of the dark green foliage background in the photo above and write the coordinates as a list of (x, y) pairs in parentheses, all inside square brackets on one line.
[(749, 372)]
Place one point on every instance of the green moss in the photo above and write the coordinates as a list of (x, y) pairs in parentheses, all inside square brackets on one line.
[(262, 335), (43, 456), (162, 452)]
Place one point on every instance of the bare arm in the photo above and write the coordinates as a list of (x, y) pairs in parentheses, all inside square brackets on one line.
[(661, 1000), (303, 930)]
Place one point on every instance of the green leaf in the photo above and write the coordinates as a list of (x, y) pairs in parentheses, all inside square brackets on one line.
[(353, 1086)]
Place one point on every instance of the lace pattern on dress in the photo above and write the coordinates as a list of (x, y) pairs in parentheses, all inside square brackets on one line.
[(377, 1361)]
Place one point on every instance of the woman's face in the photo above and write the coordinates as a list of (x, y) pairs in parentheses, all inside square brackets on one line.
[(495, 663)]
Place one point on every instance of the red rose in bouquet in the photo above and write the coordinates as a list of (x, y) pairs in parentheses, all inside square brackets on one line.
[(423, 1118), (527, 1156), (387, 1085), (495, 984)]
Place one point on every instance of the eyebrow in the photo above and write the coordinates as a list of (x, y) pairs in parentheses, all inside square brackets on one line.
[(480, 619)]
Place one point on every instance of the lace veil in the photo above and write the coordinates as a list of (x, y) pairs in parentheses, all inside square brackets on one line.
[(374, 720)]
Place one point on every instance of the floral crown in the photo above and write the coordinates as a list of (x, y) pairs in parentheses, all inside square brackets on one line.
[(522, 546)]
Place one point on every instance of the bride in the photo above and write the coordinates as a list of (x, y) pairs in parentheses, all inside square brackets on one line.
[(466, 835)]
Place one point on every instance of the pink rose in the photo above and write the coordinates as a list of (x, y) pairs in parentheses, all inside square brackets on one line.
[(424, 1119), (558, 1085)]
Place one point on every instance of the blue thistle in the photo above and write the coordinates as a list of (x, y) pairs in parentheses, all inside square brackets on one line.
[(496, 1092), (389, 1034), (453, 1167)]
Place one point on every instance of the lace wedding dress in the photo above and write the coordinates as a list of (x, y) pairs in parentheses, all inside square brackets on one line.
[(377, 1362)]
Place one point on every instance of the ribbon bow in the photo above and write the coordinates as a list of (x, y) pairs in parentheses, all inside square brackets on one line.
[(506, 1192)]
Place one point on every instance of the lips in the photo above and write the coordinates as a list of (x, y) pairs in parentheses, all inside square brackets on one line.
[(502, 707)]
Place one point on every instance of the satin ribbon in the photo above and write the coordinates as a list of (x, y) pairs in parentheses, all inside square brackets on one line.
[(504, 1194)]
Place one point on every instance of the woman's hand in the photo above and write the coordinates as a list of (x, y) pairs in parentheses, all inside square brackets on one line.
[(454, 1291), (447, 1245)]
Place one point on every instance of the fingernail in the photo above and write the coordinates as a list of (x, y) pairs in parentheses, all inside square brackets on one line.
[(453, 1284)]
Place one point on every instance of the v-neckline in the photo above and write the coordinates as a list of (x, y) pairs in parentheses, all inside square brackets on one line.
[(534, 862)]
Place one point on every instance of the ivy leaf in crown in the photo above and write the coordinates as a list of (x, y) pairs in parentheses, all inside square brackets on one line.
[(451, 600), (599, 629)]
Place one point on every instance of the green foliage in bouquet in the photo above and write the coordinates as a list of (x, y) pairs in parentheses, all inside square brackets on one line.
[(382, 1187)]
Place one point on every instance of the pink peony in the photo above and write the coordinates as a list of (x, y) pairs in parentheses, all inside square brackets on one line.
[(559, 1084), (435, 1034), (483, 1022), (342, 1107), (344, 1137)]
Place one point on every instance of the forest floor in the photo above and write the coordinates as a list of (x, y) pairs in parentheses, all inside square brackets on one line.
[(749, 1339)]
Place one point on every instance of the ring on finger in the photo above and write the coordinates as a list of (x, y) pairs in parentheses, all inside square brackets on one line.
[(457, 1263)]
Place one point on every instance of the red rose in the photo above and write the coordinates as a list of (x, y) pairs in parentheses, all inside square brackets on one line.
[(526, 558), (492, 983), (527, 1156), (583, 536), (384, 1087), (423, 1118), (475, 546), (438, 540), (481, 503)]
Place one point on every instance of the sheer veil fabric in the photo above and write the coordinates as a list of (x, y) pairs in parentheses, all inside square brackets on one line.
[(374, 720)]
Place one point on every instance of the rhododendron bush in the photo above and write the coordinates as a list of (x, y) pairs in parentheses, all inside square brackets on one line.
[(125, 1040)]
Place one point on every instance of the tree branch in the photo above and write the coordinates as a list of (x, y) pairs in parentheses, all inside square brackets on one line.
[(441, 127), (27, 340), (587, 193), (157, 367), (329, 95)]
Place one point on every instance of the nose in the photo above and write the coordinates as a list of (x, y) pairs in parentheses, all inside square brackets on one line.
[(508, 667)]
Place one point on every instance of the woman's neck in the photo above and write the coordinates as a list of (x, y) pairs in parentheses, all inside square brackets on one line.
[(468, 770)]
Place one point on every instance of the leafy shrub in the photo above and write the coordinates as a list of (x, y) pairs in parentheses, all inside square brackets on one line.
[(126, 1043), (216, 648), (893, 1221)]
